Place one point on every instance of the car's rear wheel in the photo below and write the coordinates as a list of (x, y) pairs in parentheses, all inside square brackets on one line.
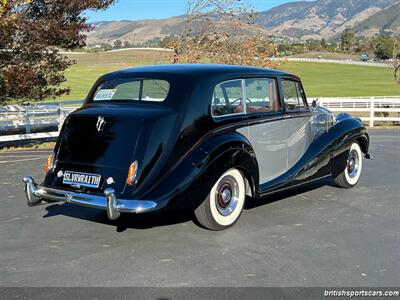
[(224, 204), (351, 174)]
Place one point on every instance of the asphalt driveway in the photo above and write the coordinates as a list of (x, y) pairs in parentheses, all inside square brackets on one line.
[(319, 236)]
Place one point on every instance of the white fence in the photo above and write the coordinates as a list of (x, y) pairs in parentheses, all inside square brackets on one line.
[(19, 123), (369, 109), (341, 62)]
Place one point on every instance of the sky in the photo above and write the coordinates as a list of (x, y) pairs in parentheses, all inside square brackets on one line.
[(158, 9)]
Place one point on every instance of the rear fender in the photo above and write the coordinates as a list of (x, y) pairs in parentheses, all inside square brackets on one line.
[(191, 180)]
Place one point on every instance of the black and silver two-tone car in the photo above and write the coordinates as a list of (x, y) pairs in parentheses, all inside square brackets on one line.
[(203, 138)]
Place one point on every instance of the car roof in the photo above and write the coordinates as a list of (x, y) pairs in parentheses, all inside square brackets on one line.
[(194, 70)]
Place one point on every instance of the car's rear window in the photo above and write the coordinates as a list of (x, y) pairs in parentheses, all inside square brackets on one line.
[(132, 90)]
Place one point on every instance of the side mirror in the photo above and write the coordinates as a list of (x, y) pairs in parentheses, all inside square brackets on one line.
[(314, 104)]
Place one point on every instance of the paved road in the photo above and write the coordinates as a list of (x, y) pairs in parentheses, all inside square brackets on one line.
[(323, 236)]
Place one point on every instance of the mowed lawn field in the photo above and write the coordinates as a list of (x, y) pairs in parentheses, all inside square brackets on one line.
[(319, 79), (335, 80)]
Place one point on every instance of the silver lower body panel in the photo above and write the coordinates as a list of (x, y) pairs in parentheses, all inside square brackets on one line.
[(114, 206)]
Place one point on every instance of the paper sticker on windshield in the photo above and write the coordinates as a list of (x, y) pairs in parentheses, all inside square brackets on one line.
[(105, 94)]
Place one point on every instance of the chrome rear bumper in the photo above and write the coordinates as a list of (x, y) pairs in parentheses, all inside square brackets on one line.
[(114, 206)]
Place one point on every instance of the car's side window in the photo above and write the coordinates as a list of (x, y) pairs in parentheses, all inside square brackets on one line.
[(293, 96), (261, 95), (228, 98), (302, 100)]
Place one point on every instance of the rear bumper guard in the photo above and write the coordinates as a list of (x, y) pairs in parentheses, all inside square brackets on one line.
[(114, 206)]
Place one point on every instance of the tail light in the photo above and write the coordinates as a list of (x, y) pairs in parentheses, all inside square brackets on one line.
[(49, 163), (132, 173)]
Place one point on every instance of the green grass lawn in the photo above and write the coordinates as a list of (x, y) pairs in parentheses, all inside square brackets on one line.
[(319, 79), (89, 67), (334, 80)]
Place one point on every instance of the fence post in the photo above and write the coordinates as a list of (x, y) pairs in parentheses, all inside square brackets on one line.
[(61, 116), (372, 112), (27, 121)]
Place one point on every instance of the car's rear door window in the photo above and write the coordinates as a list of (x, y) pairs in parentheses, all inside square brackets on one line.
[(262, 95), (127, 89), (228, 98)]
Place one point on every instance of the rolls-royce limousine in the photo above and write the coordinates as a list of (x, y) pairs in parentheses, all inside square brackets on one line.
[(200, 138)]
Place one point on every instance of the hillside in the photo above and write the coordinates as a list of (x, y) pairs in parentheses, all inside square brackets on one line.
[(134, 31), (319, 19), (386, 21), (296, 20)]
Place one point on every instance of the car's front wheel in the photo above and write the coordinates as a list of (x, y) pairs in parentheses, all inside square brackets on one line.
[(224, 204), (351, 174)]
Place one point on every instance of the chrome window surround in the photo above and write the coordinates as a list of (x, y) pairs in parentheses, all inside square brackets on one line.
[(302, 95), (140, 99), (244, 96), (276, 91)]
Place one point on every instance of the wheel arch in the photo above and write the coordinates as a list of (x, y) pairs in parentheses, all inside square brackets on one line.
[(363, 141), (343, 135), (207, 162), (243, 158)]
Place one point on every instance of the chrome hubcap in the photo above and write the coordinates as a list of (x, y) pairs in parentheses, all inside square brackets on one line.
[(227, 195), (353, 164)]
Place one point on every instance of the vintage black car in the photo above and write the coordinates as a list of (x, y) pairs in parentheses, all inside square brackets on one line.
[(196, 137)]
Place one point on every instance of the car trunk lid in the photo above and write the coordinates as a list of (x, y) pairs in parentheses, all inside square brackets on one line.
[(100, 139), (106, 139)]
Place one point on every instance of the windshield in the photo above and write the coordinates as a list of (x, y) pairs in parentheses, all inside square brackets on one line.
[(128, 89)]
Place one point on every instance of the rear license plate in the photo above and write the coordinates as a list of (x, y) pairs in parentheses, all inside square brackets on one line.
[(82, 179)]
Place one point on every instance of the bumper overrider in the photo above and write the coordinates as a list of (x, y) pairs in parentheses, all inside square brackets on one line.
[(36, 194)]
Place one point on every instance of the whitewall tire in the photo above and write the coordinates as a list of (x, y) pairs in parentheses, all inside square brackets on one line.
[(224, 204), (351, 174)]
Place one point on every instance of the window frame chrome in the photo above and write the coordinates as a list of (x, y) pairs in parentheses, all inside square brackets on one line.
[(90, 98), (278, 92), (244, 96), (243, 100), (302, 95)]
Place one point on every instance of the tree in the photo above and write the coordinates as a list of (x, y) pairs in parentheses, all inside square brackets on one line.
[(32, 32), (117, 44), (324, 45), (347, 39), (167, 41), (106, 47), (396, 56), (313, 45), (217, 31), (383, 46)]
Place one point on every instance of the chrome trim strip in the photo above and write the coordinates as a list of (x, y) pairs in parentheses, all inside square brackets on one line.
[(114, 206), (263, 194), (228, 115), (244, 96)]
